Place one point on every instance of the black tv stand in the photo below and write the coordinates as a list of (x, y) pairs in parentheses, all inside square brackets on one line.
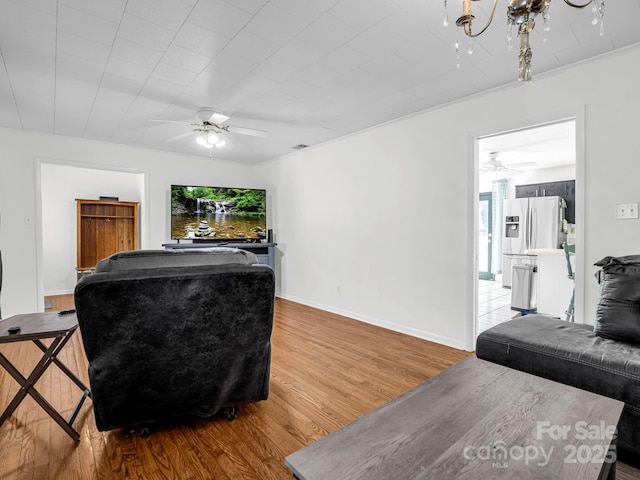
[(264, 251), (219, 241)]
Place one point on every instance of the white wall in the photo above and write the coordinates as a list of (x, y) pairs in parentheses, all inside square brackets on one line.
[(60, 186), (19, 152), (388, 214), (381, 217)]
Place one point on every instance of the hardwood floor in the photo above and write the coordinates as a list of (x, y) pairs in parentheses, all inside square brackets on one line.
[(326, 371)]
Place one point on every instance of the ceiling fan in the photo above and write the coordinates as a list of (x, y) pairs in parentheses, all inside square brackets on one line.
[(495, 165), (211, 128)]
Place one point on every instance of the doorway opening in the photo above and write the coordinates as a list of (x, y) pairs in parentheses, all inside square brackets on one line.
[(529, 162), (60, 183)]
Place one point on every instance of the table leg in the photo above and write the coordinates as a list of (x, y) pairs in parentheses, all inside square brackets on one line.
[(28, 384), (63, 367)]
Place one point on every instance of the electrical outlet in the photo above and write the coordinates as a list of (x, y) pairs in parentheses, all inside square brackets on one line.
[(626, 211)]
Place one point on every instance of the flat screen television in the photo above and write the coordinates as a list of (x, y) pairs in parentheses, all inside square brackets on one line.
[(218, 214)]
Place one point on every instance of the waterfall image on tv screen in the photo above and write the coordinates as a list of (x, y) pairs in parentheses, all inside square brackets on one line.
[(218, 214)]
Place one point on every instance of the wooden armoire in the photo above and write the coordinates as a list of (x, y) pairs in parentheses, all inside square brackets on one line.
[(105, 227)]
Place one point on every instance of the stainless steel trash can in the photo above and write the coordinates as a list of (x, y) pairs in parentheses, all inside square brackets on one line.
[(524, 287)]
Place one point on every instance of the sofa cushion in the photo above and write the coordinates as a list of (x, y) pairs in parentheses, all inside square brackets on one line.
[(572, 354), (146, 259), (618, 310)]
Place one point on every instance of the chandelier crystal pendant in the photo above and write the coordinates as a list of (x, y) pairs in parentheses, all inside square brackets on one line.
[(520, 13)]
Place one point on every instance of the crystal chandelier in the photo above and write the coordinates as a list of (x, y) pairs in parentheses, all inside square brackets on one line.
[(520, 13)]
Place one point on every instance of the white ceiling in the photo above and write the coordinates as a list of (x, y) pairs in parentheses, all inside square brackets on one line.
[(306, 71), (541, 147)]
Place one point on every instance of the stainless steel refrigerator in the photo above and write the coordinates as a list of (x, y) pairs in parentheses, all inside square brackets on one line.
[(530, 223)]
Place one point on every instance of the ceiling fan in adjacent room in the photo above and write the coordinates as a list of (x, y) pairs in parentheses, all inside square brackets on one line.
[(495, 165), (211, 129)]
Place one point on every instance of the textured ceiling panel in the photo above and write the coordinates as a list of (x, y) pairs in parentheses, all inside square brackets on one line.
[(304, 71)]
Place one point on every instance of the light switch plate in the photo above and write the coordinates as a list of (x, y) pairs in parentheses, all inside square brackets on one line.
[(626, 211)]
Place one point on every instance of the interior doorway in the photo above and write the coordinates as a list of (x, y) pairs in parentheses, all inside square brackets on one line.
[(60, 183), (508, 164)]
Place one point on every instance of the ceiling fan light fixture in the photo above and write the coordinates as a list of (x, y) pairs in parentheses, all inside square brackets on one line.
[(210, 131), (213, 138), (202, 141), (493, 165)]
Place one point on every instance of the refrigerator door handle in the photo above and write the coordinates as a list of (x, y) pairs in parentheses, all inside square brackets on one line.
[(532, 226)]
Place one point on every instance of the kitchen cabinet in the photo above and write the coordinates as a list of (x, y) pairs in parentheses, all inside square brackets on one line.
[(565, 189), (104, 227)]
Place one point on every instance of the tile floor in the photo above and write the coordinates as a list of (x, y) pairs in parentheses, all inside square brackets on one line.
[(494, 304)]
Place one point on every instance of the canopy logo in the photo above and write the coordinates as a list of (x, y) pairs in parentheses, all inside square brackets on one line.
[(500, 454), (579, 443)]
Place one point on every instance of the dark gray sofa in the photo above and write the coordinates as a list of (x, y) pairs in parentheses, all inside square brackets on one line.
[(175, 333), (604, 359), (572, 354)]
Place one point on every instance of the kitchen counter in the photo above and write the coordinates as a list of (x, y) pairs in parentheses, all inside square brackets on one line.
[(545, 251), (554, 286)]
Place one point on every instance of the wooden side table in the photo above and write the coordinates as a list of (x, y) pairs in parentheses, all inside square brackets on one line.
[(36, 327)]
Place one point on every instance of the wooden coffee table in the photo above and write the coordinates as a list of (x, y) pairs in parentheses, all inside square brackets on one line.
[(475, 420)]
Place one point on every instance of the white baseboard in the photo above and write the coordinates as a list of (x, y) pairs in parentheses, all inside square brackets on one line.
[(57, 292), (449, 342)]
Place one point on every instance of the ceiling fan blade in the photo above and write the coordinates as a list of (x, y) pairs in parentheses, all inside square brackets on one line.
[(211, 115), (169, 121), (523, 164), (178, 137), (218, 118), (247, 131), (509, 171)]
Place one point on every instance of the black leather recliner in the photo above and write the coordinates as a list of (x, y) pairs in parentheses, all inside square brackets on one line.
[(175, 333)]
